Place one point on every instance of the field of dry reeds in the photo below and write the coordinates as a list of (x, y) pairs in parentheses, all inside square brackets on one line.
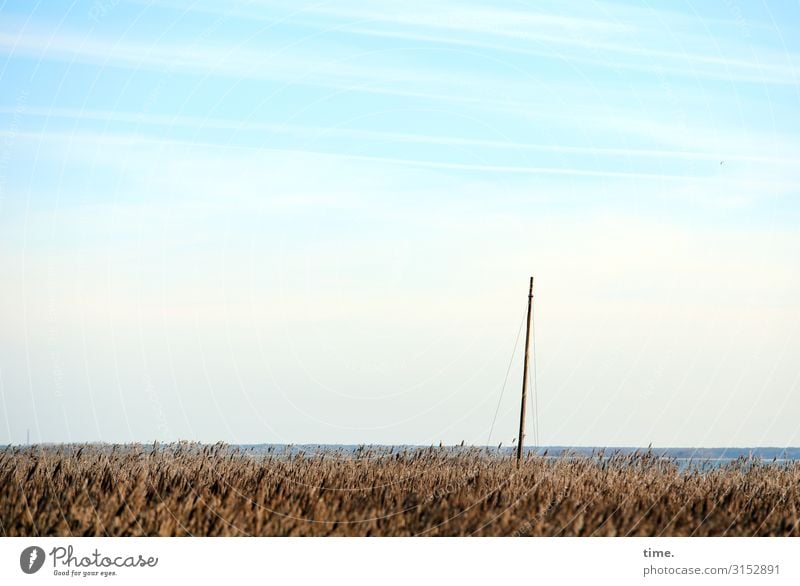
[(189, 489)]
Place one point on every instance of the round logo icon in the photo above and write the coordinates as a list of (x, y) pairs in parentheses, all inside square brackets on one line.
[(31, 559)]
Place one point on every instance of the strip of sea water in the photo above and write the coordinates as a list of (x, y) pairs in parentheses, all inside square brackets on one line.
[(684, 458), (699, 459)]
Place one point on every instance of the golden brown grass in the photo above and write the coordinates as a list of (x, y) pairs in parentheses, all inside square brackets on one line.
[(188, 489)]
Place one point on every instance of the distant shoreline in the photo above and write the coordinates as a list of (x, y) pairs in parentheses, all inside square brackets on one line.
[(719, 453)]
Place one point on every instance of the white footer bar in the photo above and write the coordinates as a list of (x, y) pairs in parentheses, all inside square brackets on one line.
[(388, 561)]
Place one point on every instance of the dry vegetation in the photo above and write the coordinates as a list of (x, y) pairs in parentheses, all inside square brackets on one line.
[(188, 489)]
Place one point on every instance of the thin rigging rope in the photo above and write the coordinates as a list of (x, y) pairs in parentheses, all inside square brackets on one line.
[(531, 406), (535, 389), (508, 370)]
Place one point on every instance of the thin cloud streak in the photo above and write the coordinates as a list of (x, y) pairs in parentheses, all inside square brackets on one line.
[(239, 61), (458, 26), (104, 139), (319, 132)]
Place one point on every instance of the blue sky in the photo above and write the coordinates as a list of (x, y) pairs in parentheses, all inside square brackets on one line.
[(289, 222)]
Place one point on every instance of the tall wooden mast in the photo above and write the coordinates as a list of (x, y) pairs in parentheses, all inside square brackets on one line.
[(525, 376)]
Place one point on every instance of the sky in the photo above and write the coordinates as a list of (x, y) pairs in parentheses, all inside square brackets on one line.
[(290, 222)]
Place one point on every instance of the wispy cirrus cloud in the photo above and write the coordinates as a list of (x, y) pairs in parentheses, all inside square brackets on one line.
[(753, 149), (591, 38), (579, 41)]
